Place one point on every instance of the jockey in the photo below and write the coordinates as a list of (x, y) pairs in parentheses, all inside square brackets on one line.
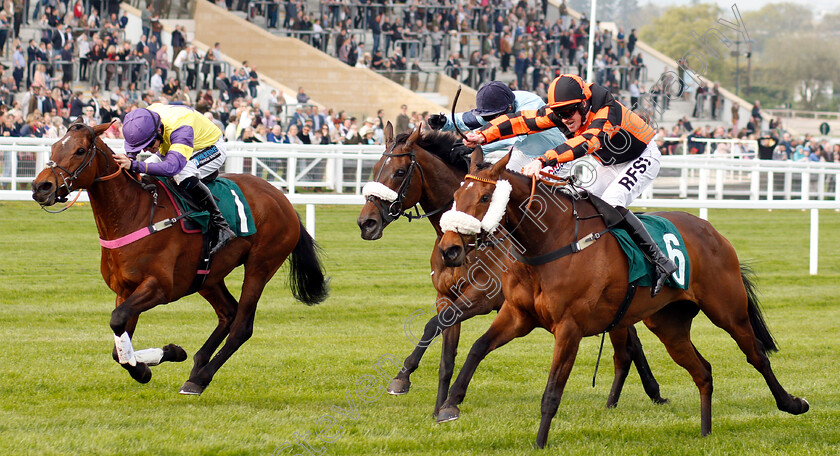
[(493, 100), (186, 146), (621, 142)]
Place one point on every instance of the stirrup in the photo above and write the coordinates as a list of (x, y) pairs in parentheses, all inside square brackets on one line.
[(223, 236), (662, 274)]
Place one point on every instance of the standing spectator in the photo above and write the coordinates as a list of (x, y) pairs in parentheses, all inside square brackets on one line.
[(436, 37), (67, 56), (631, 42), (276, 102), (178, 42), (157, 28), (376, 31), (756, 112), (4, 32), (32, 55), (253, 81), (146, 18), (19, 63), (402, 121), (156, 83), (18, 15), (735, 112), (635, 93), (715, 99), (301, 96), (162, 61)]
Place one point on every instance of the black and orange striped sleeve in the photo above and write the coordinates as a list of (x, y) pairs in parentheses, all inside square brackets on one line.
[(584, 143), (516, 124)]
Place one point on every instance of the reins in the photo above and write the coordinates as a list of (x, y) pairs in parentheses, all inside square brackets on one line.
[(68, 178)]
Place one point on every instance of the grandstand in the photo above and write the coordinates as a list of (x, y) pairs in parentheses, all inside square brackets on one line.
[(325, 50)]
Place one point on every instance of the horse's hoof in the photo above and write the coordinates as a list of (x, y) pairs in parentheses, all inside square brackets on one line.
[(191, 389), (141, 373), (174, 353), (794, 406), (398, 387), (659, 400), (804, 406), (447, 414)]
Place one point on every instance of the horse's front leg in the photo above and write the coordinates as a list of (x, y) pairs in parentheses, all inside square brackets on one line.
[(449, 349), (509, 324), (567, 338), (124, 321)]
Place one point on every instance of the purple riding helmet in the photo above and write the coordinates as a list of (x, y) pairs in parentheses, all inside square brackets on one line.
[(140, 128)]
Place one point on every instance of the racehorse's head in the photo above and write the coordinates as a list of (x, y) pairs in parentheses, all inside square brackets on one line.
[(75, 162), (480, 204), (396, 186)]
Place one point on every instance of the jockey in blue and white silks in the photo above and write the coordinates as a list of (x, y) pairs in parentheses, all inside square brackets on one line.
[(495, 99)]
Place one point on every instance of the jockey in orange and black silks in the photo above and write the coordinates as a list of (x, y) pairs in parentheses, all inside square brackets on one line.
[(610, 131), (627, 158)]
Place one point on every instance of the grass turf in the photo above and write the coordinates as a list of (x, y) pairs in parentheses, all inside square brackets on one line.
[(63, 394)]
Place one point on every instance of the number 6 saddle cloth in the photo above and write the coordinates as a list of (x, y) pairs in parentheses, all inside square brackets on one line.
[(669, 241)]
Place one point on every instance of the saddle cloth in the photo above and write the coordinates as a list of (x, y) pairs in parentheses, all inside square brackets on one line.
[(669, 241), (229, 198)]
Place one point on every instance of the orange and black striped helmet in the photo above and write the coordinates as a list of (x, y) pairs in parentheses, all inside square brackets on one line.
[(567, 89)]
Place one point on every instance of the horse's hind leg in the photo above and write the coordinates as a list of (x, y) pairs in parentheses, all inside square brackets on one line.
[(637, 353), (672, 325), (225, 306), (739, 325), (627, 350), (242, 327)]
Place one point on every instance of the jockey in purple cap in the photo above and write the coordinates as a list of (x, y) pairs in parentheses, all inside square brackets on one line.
[(186, 146)]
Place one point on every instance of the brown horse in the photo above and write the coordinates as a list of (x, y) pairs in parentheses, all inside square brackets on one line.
[(426, 169), (578, 295), (160, 268)]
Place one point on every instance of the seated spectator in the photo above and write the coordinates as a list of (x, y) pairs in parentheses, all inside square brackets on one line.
[(34, 127)]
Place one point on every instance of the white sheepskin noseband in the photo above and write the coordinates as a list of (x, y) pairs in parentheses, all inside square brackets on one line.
[(380, 191), (463, 223)]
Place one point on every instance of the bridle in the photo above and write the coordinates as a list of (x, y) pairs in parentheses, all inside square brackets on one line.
[(68, 178), (395, 209)]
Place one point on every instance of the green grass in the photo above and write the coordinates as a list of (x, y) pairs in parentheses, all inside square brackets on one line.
[(61, 393)]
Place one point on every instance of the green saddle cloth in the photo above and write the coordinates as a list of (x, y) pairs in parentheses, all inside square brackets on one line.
[(231, 202), (669, 241)]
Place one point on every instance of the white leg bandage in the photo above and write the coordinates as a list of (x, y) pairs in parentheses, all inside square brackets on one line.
[(150, 356), (380, 191), (125, 351)]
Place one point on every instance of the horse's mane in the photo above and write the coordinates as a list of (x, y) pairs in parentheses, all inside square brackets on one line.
[(442, 145)]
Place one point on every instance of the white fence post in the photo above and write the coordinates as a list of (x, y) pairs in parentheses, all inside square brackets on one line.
[(310, 219), (815, 240)]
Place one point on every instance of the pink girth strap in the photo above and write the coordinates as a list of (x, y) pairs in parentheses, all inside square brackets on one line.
[(127, 239)]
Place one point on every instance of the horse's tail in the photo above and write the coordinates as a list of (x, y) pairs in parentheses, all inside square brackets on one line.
[(306, 275), (760, 329)]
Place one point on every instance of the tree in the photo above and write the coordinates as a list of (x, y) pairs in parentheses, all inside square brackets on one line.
[(675, 34)]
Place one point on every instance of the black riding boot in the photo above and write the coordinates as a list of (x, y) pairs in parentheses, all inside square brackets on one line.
[(637, 231), (220, 230)]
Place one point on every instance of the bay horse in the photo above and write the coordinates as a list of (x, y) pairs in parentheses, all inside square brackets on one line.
[(160, 268), (578, 295), (426, 168)]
